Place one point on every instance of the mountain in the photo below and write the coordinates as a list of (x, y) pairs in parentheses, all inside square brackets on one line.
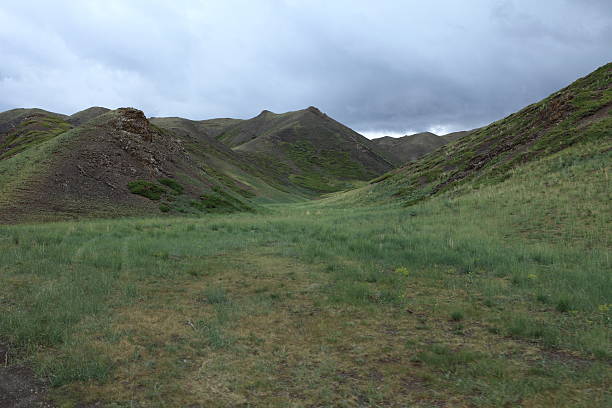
[(307, 149), (401, 150), (579, 113), (217, 158), (86, 115), (407, 148), (107, 163)]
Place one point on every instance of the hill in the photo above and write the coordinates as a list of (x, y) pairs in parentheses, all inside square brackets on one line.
[(217, 158), (108, 163), (401, 150), (11, 118), (306, 148), (410, 147), (578, 113), (86, 115)]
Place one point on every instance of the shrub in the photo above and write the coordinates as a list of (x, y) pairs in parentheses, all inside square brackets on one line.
[(172, 184), (457, 316), (146, 189), (563, 306)]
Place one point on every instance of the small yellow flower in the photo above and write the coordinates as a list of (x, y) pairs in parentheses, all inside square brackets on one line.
[(403, 271), (532, 276)]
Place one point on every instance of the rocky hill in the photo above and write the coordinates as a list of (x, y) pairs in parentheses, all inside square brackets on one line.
[(108, 163)]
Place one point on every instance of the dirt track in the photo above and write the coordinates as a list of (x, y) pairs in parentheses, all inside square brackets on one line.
[(19, 388)]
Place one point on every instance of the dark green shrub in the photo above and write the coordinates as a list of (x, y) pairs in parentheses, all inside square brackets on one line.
[(172, 184), (146, 189), (457, 316), (563, 305)]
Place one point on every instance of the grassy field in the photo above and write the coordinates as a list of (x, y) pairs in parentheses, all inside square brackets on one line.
[(496, 296)]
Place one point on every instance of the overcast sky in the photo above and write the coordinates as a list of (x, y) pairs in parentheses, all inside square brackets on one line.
[(380, 67)]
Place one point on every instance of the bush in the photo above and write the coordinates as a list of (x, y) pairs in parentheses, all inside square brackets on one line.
[(172, 184), (457, 316), (146, 189)]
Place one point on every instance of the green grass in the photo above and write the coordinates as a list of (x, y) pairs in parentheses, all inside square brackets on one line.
[(32, 133), (488, 295), (19, 170)]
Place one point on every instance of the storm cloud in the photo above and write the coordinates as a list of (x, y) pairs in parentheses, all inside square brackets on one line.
[(379, 67)]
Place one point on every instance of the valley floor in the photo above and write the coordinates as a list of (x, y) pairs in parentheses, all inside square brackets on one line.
[(498, 297)]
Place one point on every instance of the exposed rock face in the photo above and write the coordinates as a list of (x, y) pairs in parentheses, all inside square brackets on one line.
[(134, 121)]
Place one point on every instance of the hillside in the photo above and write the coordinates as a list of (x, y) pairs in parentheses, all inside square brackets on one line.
[(11, 118), (576, 114), (114, 163), (308, 149), (199, 140), (86, 115), (451, 137), (410, 147)]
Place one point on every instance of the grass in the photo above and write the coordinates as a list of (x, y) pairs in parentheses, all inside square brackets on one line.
[(20, 170), (496, 295)]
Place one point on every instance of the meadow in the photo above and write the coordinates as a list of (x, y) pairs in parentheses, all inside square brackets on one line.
[(489, 295)]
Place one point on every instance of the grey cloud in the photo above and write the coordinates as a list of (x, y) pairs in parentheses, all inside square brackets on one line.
[(389, 65)]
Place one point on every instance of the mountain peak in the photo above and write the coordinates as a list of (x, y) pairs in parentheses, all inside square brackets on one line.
[(265, 112), (316, 111), (86, 115)]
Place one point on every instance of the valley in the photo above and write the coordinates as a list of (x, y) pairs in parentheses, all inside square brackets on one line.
[(286, 260)]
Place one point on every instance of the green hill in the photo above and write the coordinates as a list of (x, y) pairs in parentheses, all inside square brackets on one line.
[(308, 149), (410, 147), (86, 115), (576, 114)]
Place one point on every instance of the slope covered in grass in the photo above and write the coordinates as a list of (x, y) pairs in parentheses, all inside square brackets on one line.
[(237, 171), (307, 149), (579, 113), (497, 297)]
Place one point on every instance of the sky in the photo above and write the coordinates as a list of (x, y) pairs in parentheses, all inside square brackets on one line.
[(381, 67)]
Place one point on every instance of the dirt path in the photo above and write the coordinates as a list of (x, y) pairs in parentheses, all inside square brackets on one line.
[(19, 387)]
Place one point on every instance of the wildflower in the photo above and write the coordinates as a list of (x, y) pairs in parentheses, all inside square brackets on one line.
[(532, 276), (402, 271)]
